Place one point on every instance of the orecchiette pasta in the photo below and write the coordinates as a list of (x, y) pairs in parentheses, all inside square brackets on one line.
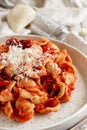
[(8, 109), (24, 109), (52, 68), (6, 96), (35, 76)]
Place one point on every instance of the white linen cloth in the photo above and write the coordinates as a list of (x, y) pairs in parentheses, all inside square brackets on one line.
[(70, 13)]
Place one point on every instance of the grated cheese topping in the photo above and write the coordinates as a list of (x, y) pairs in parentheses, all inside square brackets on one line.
[(25, 61)]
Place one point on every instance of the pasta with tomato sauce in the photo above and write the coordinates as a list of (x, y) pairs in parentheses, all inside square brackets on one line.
[(35, 76)]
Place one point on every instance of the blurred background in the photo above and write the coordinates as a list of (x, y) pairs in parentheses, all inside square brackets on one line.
[(70, 13)]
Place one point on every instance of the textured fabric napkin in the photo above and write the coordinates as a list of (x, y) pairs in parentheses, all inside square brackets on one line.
[(70, 13)]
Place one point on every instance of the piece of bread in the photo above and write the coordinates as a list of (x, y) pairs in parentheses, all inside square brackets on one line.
[(20, 16)]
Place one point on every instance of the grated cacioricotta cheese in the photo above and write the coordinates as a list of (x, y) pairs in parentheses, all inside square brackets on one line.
[(24, 60)]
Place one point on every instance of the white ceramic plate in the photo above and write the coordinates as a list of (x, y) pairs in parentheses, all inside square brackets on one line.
[(70, 113)]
